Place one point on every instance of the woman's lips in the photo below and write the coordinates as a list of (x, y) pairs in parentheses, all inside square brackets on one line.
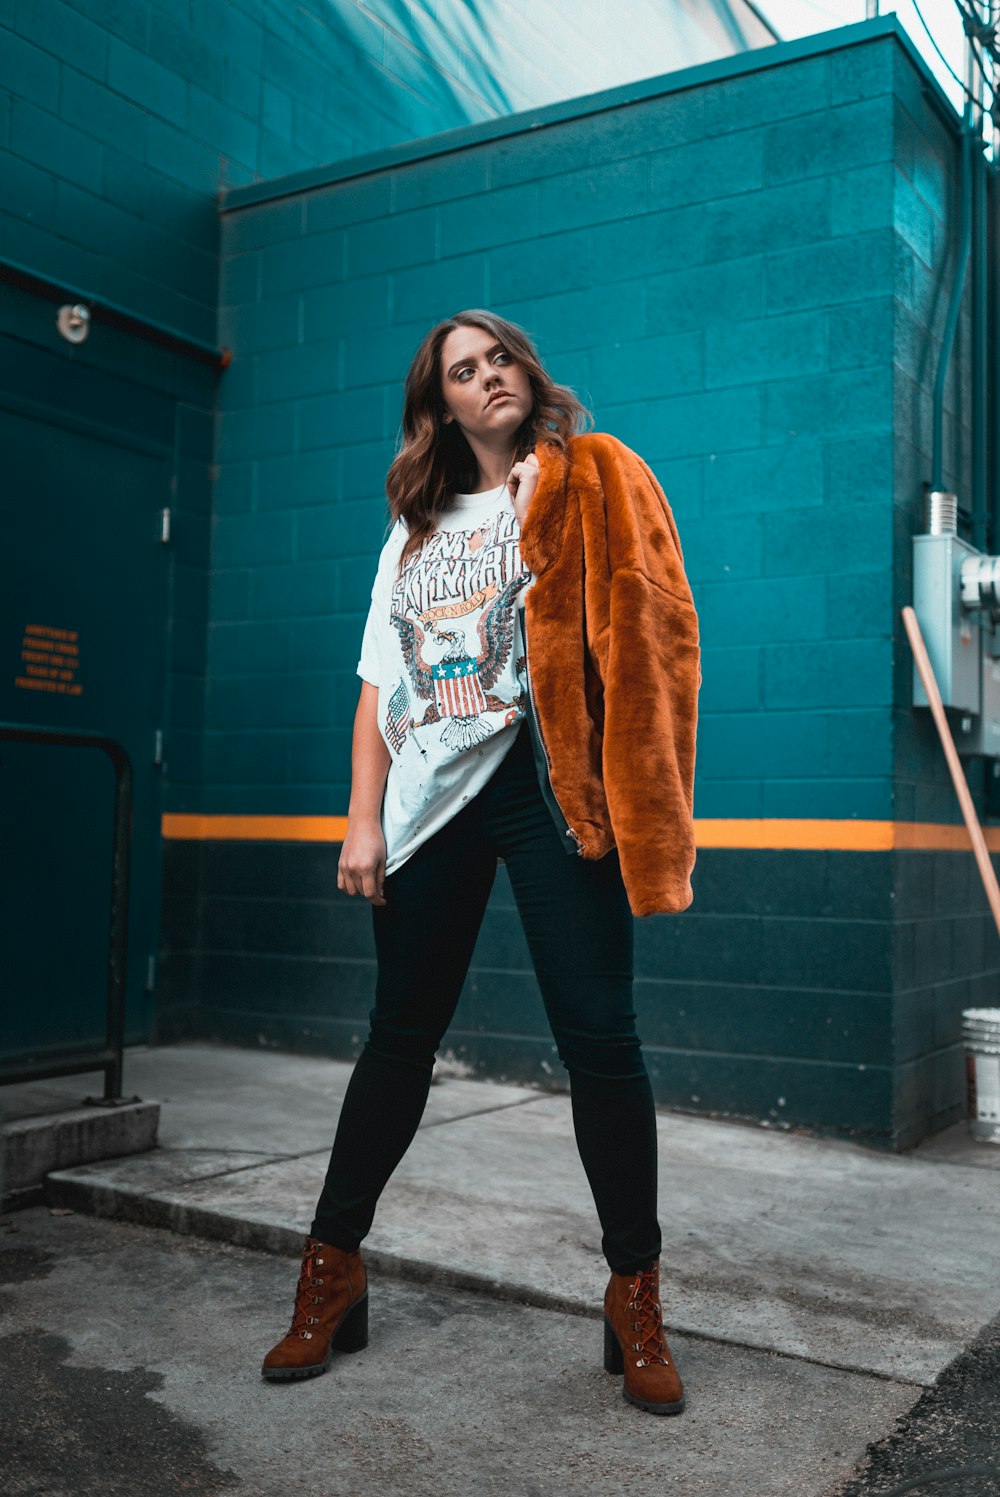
[(501, 395)]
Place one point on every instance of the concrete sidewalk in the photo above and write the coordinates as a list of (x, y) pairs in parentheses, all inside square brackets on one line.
[(818, 1250)]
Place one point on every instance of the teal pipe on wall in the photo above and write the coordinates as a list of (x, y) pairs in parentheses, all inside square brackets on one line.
[(958, 285)]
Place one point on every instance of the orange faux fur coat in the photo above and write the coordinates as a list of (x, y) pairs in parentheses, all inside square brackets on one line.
[(614, 661)]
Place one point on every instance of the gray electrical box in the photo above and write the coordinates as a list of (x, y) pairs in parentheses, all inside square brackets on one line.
[(982, 736), (951, 632)]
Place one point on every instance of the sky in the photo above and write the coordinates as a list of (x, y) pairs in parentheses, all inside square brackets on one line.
[(794, 18)]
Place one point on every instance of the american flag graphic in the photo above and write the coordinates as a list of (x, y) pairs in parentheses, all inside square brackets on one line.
[(398, 720), (457, 691)]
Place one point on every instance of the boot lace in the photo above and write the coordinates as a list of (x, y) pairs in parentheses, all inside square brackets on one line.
[(644, 1299), (305, 1294)]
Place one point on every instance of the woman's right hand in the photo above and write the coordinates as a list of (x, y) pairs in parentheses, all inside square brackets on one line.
[(361, 869)]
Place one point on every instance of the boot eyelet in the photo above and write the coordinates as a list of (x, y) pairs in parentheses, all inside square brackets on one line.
[(641, 1362)]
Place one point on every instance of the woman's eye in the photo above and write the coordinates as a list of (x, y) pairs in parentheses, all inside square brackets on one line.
[(505, 356)]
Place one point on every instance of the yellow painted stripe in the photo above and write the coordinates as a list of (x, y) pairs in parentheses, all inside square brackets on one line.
[(777, 832)]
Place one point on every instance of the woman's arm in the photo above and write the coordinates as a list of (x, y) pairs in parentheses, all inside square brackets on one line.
[(361, 869)]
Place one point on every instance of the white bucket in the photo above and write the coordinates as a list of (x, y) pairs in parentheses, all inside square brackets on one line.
[(981, 1029)]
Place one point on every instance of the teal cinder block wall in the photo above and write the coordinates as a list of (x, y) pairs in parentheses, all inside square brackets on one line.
[(737, 271), (716, 270)]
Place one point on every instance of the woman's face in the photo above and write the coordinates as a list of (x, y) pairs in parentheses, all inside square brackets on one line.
[(485, 392)]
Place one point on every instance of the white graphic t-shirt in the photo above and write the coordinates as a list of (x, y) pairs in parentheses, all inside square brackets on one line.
[(444, 645)]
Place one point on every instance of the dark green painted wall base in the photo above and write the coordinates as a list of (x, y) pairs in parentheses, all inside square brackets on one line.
[(815, 990)]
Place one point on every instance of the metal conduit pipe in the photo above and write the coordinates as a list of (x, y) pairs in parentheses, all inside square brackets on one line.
[(979, 316), (957, 287), (994, 426)]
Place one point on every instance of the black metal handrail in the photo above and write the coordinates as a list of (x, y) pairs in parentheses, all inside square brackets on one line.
[(108, 1060)]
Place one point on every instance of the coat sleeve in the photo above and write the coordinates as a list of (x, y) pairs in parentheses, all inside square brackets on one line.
[(651, 673)]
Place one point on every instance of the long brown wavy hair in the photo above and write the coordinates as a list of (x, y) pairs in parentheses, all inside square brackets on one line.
[(434, 459)]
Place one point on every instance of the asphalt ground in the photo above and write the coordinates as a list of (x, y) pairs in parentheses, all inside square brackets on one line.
[(129, 1367)]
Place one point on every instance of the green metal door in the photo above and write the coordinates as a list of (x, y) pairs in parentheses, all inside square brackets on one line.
[(82, 640)]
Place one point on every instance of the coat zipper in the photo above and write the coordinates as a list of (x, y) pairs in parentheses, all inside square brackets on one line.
[(543, 763)]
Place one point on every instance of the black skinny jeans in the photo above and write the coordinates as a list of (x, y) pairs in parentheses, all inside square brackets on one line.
[(578, 926)]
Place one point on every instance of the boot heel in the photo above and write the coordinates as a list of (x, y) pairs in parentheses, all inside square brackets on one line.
[(352, 1333), (613, 1359)]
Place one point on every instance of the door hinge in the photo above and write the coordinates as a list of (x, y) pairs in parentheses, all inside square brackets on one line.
[(158, 747), (164, 527)]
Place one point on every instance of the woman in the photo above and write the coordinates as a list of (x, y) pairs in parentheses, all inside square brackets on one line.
[(461, 755)]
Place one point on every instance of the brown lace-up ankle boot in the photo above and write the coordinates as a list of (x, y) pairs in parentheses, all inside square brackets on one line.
[(331, 1310), (634, 1342)]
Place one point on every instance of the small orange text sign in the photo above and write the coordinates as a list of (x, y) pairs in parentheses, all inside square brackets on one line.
[(50, 659)]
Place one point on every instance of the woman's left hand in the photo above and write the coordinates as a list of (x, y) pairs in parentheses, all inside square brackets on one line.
[(522, 480)]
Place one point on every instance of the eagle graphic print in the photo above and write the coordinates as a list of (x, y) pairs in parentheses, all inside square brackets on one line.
[(454, 608)]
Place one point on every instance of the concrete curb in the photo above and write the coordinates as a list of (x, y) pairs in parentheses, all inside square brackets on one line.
[(35, 1146)]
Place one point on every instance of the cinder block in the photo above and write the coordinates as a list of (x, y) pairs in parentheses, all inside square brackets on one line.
[(862, 199), (714, 421), (824, 274), (32, 72), (855, 538), (563, 147), (132, 73), (185, 52), (830, 405), (508, 215), (349, 529), (225, 129), (393, 243), (173, 152), (852, 135), (341, 416), (316, 643), (74, 37), (777, 92), (770, 348), (29, 192), (333, 311), (651, 124), (768, 749), (704, 294), (254, 326), (861, 72), (756, 613), (242, 87), (693, 173), (128, 21), (230, 595), (862, 334), (249, 648), (350, 202), (252, 757), (730, 683), (317, 757), (783, 475), (244, 540), (313, 260), (753, 223), (296, 590), (365, 464), (856, 673), (668, 365), (40, 137), (263, 430)]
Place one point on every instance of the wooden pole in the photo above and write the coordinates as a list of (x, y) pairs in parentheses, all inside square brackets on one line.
[(975, 831)]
